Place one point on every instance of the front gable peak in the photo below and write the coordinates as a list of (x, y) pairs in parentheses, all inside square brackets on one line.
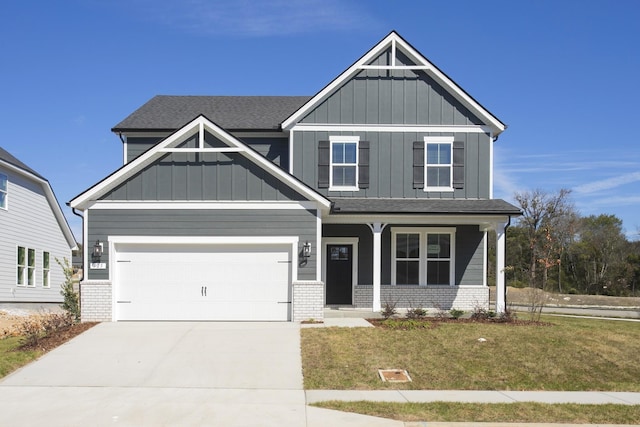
[(394, 54)]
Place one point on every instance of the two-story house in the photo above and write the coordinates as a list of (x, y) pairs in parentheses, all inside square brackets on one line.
[(34, 233), (376, 189)]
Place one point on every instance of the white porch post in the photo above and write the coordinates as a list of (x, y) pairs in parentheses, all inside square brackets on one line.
[(377, 228), (500, 282)]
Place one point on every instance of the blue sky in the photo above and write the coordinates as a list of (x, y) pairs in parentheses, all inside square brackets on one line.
[(563, 75)]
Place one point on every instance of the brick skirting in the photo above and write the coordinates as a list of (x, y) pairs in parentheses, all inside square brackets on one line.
[(441, 297)]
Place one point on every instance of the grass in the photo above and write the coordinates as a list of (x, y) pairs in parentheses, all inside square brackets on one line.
[(11, 358), (495, 412), (568, 354)]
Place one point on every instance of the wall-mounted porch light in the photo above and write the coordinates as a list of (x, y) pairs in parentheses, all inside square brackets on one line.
[(96, 253), (306, 250)]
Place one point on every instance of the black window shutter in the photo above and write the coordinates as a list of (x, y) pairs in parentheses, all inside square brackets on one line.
[(458, 164), (323, 164), (418, 164), (363, 164)]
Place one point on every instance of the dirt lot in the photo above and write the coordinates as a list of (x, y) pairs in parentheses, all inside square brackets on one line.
[(523, 296)]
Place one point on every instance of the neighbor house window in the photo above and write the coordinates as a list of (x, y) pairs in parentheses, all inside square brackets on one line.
[(22, 266), (439, 163), (344, 163), (423, 256), (31, 267), (46, 269), (3, 191)]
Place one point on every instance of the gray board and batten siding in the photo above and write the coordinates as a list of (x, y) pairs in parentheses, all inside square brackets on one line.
[(391, 164), (469, 259), (300, 223), (274, 148), (203, 177)]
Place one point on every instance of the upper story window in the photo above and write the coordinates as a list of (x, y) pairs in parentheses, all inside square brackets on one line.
[(439, 163), (344, 163), (4, 185)]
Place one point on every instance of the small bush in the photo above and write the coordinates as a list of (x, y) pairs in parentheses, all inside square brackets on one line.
[(71, 303), (416, 313), (389, 310), (455, 313), (33, 328)]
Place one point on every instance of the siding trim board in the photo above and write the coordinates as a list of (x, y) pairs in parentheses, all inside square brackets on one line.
[(336, 127)]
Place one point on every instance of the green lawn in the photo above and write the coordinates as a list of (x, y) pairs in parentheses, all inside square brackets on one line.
[(568, 354), (11, 358), (493, 413)]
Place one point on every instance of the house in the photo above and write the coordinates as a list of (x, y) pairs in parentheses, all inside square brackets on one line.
[(34, 234), (377, 189)]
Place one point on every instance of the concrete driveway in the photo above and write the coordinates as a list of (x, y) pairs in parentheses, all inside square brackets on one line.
[(170, 374)]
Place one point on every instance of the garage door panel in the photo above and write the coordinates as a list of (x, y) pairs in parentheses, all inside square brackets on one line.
[(221, 282)]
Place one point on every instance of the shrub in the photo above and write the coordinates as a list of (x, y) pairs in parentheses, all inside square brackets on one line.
[(71, 304), (389, 309), (416, 313), (455, 313)]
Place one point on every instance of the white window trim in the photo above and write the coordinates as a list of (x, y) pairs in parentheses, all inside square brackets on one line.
[(438, 140), (6, 192), (423, 232), (349, 139)]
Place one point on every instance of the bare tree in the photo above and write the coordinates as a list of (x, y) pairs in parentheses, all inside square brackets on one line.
[(549, 220)]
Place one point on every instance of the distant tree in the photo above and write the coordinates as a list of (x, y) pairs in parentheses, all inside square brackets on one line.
[(548, 221), (598, 258)]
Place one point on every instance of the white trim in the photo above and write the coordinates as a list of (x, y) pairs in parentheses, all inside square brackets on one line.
[(393, 39), (337, 139), (354, 241), (422, 259), (190, 129), (319, 256), (197, 205), (485, 252), (291, 140), (125, 150), (483, 221), (205, 240), (336, 127), (491, 141), (438, 140)]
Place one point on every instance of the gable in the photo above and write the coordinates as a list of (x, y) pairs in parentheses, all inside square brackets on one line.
[(199, 162), (393, 70)]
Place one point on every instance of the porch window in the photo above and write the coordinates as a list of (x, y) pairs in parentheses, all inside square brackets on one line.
[(3, 191), (423, 256), (344, 163)]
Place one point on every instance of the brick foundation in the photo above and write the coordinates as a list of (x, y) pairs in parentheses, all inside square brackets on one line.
[(307, 300), (442, 297), (96, 301)]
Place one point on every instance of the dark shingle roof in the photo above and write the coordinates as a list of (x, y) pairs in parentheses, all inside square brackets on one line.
[(165, 112), (423, 206), (9, 158)]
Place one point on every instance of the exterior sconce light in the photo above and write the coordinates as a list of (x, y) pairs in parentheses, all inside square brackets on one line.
[(97, 250), (306, 250)]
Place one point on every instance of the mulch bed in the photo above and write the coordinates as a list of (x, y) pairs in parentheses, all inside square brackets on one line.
[(59, 337)]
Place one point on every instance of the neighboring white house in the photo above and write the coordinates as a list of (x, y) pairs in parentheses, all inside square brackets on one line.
[(34, 234)]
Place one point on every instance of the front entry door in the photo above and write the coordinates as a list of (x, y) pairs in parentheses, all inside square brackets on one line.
[(339, 274)]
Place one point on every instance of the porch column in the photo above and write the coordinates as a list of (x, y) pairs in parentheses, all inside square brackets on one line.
[(500, 282), (377, 228)]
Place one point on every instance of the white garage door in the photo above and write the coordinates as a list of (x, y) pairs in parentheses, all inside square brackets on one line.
[(202, 282)]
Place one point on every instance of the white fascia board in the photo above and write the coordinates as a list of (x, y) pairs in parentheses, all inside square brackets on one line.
[(192, 128), (394, 40), (334, 127), (205, 240), (51, 198), (480, 220), (200, 205)]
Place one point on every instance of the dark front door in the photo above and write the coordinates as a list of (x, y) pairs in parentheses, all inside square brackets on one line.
[(339, 274)]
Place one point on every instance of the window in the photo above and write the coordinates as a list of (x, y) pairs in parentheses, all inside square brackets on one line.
[(3, 191), (423, 256), (31, 267), (46, 269), (22, 266), (344, 163), (439, 163)]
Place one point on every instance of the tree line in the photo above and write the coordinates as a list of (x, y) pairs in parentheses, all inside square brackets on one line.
[(552, 247)]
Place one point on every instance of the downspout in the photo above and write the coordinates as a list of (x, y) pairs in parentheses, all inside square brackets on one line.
[(83, 266)]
